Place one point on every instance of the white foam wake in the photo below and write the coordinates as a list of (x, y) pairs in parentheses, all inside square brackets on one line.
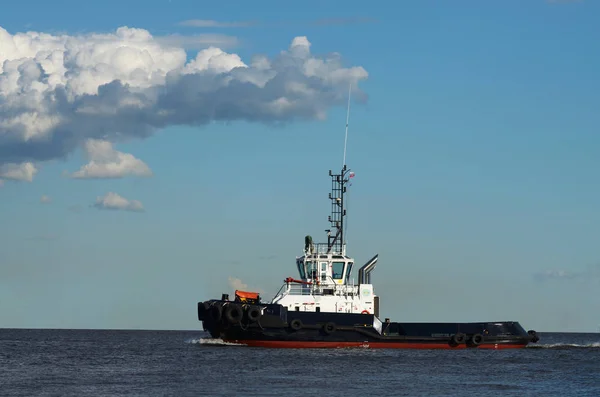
[(212, 342), (567, 346)]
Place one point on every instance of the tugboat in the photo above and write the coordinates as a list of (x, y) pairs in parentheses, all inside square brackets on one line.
[(324, 308)]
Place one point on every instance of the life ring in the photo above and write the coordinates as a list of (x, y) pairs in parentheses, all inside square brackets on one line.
[(329, 328), (296, 324), (365, 312)]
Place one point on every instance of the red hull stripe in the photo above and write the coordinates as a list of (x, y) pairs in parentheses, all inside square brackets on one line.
[(371, 345)]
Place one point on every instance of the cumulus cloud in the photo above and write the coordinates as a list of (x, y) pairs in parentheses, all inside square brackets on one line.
[(112, 201), (106, 162), (59, 91), (18, 172), (45, 199)]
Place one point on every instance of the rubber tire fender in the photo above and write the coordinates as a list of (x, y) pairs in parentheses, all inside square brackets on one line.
[(253, 313), (533, 336), (296, 324), (458, 338), (233, 313), (202, 310), (216, 312), (329, 328), (476, 340)]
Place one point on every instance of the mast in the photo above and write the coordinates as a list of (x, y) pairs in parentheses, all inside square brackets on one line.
[(335, 242), (347, 121)]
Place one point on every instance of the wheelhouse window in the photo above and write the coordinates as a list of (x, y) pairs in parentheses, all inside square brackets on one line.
[(311, 270), (323, 270), (301, 269), (349, 270), (338, 270)]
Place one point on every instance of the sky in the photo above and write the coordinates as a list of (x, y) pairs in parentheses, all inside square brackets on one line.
[(154, 154)]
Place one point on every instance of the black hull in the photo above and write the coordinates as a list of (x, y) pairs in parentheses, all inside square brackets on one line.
[(276, 327)]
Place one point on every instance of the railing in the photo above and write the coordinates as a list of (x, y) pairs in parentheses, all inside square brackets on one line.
[(321, 289), (295, 289), (298, 287), (322, 248)]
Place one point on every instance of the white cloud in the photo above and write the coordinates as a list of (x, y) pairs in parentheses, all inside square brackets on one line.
[(210, 23), (106, 162), (45, 199), (112, 201), (18, 172), (59, 91)]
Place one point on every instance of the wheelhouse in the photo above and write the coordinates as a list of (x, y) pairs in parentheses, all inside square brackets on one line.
[(326, 268)]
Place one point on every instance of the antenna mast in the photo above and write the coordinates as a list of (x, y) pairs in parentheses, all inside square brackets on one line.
[(337, 242), (347, 120)]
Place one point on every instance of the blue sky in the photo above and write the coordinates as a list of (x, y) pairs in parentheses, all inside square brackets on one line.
[(474, 141)]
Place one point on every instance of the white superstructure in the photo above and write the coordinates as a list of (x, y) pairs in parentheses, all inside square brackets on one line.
[(325, 284)]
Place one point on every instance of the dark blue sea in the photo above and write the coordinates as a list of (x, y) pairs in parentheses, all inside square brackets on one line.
[(175, 363)]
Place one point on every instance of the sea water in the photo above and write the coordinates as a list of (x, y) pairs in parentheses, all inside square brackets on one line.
[(176, 363)]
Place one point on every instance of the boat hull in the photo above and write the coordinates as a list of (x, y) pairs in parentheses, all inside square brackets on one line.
[(278, 328), (369, 345)]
